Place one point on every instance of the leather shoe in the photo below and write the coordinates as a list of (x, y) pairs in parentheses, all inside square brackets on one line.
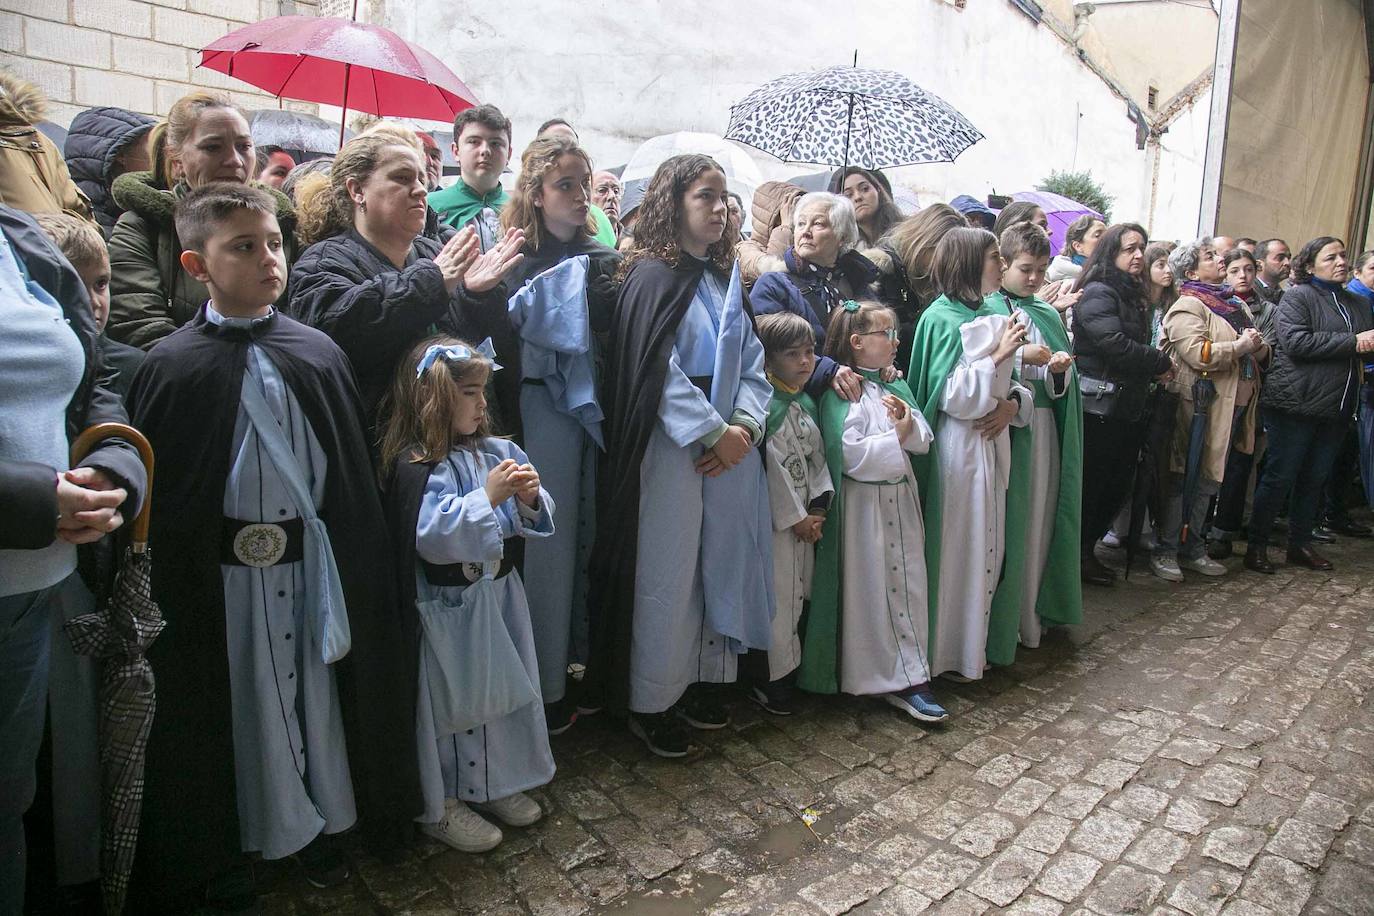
[(1348, 527), (1306, 556), (1323, 535), (1095, 572), (1257, 560)]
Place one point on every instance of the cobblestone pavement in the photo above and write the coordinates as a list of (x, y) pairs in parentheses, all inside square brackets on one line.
[(1202, 749)]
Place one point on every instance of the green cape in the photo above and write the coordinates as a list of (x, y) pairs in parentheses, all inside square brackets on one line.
[(458, 204), (819, 671), (934, 353), (782, 399), (1060, 599)]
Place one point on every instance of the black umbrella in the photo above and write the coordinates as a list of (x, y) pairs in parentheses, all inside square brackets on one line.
[(294, 131), (118, 634), (1152, 465), (1204, 393)]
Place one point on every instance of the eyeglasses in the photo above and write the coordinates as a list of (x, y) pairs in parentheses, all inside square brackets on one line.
[(889, 333)]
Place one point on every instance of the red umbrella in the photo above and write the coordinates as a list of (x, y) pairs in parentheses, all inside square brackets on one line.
[(354, 65)]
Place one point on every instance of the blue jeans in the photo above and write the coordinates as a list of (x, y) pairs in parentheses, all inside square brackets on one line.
[(25, 631), (1301, 452)]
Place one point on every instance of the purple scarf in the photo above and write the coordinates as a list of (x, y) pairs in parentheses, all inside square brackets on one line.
[(1222, 300)]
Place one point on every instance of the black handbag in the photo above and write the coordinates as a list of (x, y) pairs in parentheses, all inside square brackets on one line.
[(1100, 396)]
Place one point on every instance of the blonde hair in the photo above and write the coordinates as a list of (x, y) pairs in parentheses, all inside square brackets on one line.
[(540, 157), (169, 134), (80, 242), (324, 208), (914, 240), (419, 411)]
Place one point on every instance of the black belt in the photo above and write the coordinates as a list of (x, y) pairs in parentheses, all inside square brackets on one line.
[(533, 381), (463, 574), (261, 544)]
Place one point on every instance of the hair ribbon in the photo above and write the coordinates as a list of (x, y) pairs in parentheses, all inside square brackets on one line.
[(850, 305), (457, 352)]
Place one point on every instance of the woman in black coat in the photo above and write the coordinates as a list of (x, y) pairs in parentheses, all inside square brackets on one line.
[(1111, 342), (372, 280), (53, 384), (1309, 398)]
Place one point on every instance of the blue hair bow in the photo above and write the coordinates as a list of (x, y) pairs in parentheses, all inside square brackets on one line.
[(457, 352)]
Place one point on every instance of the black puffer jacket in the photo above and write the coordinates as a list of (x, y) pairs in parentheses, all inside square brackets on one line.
[(375, 313), (1111, 337), (1315, 371), (96, 140)]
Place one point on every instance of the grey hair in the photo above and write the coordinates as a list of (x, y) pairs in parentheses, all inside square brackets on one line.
[(840, 212), (1187, 256)]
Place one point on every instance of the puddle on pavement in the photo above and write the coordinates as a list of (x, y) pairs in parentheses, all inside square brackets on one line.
[(666, 898), (792, 839)]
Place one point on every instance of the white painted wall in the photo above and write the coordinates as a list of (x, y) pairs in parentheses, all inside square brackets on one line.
[(625, 71)]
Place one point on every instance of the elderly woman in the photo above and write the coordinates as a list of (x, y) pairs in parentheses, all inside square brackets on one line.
[(1208, 333), (371, 279), (1309, 398), (823, 270), (871, 194), (1116, 365), (205, 138)]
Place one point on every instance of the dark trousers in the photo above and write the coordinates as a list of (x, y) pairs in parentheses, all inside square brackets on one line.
[(1110, 450), (1229, 513), (1335, 505), (1301, 453)]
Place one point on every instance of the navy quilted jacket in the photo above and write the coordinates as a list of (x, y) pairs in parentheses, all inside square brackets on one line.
[(96, 139)]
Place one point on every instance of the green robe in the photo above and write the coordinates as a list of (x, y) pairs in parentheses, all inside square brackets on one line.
[(1060, 599), (819, 671), (458, 204), (934, 354)]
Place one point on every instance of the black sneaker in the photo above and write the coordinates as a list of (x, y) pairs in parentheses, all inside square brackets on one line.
[(560, 716), (660, 733), (1219, 548), (701, 712), (774, 697), (323, 864)]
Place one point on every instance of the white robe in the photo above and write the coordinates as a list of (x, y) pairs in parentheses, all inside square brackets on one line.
[(1043, 500), (974, 473), (884, 616), (797, 475)]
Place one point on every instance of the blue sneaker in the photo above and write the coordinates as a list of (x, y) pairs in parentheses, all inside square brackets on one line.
[(920, 706)]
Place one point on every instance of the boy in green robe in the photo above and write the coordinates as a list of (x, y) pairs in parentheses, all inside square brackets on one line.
[(482, 145)]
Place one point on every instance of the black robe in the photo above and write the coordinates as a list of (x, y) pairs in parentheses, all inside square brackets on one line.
[(185, 398), (652, 302)]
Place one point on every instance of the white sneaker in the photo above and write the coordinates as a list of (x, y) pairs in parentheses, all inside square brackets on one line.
[(1110, 540), (1203, 564), (518, 810), (1166, 568), (463, 829)]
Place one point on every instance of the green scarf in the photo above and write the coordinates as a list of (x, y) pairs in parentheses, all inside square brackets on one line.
[(1060, 599), (934, 354), (782, 400), (819, 671), (458, 203)]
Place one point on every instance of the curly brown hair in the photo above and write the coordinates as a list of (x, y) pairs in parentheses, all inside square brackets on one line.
[(659, 229), (541, 157)]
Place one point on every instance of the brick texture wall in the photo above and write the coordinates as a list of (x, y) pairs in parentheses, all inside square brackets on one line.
[(137, 54)]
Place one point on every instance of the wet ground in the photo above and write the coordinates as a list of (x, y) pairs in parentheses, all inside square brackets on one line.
[(1203, 749)]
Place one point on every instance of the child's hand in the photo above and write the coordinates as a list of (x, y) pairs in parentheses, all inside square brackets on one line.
[(900, 414), (503, 481), (889, 373), (527, 478), (728, 451), (1013, 338), (1035, 354), (1060, 362)]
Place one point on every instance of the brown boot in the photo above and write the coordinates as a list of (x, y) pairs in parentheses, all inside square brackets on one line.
[(1306, 556)]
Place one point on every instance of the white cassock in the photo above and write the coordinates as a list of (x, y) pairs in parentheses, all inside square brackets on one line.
[(1044, 482), (797, 475), (884, 616), (974, 474)]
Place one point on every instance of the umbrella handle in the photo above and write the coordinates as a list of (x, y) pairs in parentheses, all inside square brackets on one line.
[(1206, 353), (88, 440)]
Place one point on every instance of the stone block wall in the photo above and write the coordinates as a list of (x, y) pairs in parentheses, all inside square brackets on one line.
[(137, 54)]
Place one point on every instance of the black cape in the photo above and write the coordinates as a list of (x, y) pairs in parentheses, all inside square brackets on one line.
[(185, 399), (652, 302)]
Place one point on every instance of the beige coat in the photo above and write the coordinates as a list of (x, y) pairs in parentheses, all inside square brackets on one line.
[(33, 175), (763, 250), (1187, 326)]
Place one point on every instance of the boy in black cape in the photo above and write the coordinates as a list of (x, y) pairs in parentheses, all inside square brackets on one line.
[(269, 561)]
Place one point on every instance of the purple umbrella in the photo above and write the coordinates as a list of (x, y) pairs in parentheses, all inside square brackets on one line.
[(1059, 209)]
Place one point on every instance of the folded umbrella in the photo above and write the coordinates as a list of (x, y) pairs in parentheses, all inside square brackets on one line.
[(1204, 393), (119, 634)]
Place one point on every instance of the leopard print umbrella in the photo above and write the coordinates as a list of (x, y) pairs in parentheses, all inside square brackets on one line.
[(851, 116)]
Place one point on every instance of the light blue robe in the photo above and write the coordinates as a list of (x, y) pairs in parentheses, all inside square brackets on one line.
[(457, 524), (562, 422), (290, 760), (703, 577)]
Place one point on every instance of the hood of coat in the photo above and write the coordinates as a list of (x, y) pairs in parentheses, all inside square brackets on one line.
[(137, 191), (767, 201), (96, 139), (22, 104)]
